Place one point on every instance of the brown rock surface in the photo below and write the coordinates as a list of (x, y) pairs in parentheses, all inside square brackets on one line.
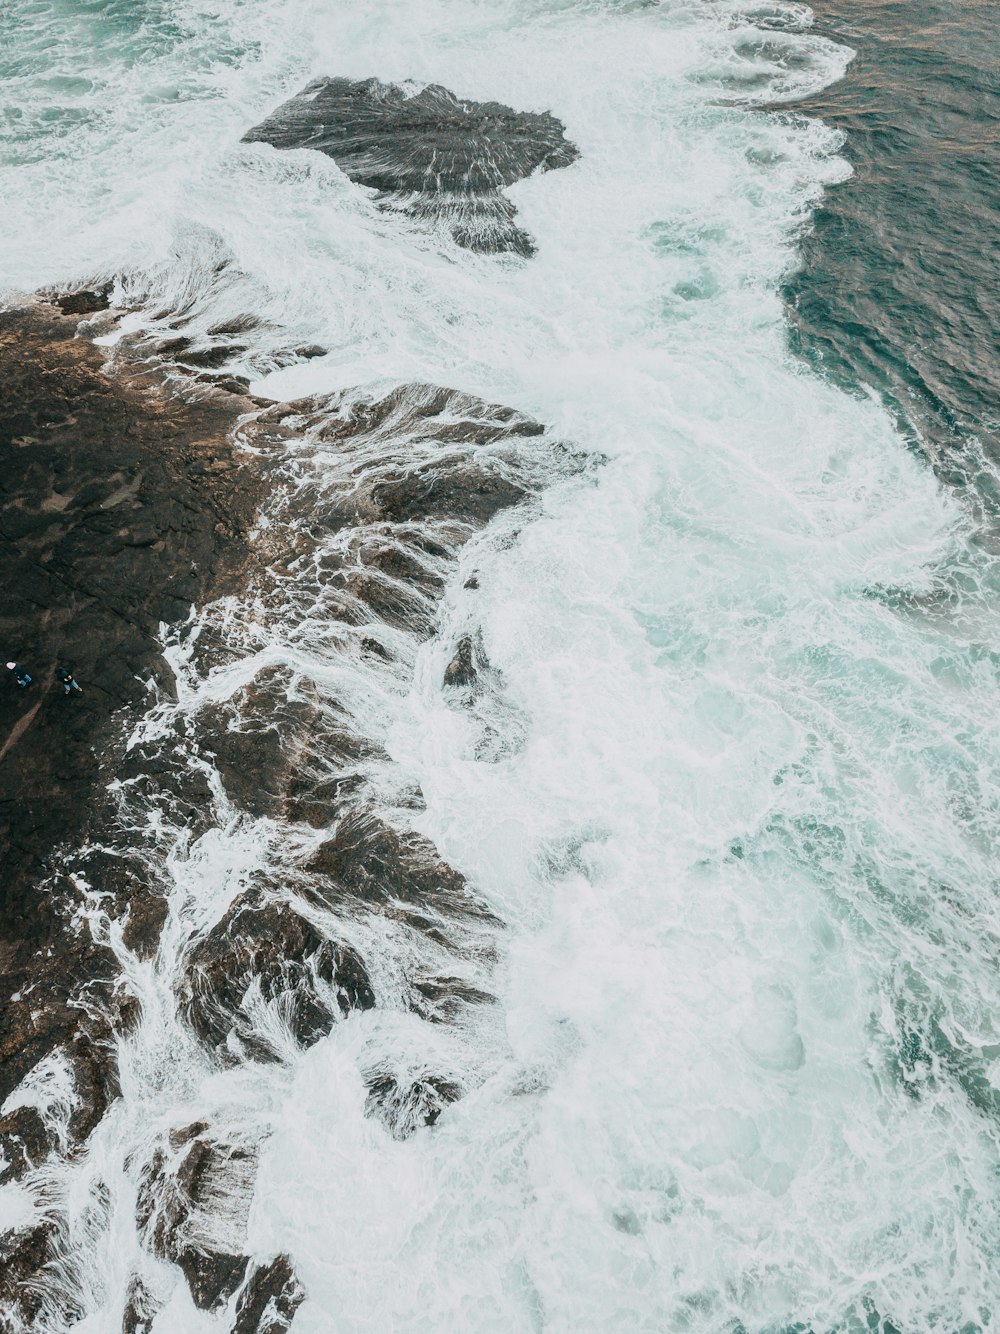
[(22, 1255), (266, 942), (120, 506), (270, 1299), (180, 1191)]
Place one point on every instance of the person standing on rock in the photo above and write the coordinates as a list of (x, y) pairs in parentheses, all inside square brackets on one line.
[(20, 675), (69, 681)]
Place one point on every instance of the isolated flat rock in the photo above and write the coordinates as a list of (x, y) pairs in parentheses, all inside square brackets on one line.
[(426, 152)]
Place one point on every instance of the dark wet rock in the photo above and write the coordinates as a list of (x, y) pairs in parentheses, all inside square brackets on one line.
[(391, 602), (370, 862), (125, 878), (230, 384), (185, 1134), (468, 492), (440, 1000), (115, 514), (447, 456), (74, 1017), (161, 774), (426, 152), (85, 302), (212, 1278), (24, 1142), (23, 1254), (461, 671), (264, 945), (263, 740), (108, 525), (238, 325), (211, 358), (140, 1309), (268, 1302), (95, 1078), (377, 650), (318, 803), (183, 1189), (405, 1106)]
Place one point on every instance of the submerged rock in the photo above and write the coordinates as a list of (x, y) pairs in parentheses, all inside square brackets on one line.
[(405, 1106), (140, 1309), (263, 949), (192, 1209), (426, 152), (461, 671)]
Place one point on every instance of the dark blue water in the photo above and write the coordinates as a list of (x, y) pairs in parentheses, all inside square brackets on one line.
[(898, 288)]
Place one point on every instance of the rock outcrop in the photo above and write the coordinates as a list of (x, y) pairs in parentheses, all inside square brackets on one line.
[(194, 1197), (425, 152), (123, 504), (269, 1300), (263, 951)]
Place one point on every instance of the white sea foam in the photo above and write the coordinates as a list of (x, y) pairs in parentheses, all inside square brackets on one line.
[(741, 838)]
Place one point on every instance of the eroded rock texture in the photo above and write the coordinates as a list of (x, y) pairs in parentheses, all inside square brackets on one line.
[(426, 152), (194, 1199), (264, 952), (22, 1254), (269, 1300), (121, 505)]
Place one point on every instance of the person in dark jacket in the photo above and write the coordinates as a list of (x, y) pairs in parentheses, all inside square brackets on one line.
[(69, 681), (20, 675)]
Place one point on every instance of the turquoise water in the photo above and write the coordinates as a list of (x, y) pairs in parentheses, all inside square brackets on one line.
[(739, 814)]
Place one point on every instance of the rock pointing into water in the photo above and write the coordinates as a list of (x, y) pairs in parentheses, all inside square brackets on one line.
[(264, 951), (192, 1208), (426, 152)]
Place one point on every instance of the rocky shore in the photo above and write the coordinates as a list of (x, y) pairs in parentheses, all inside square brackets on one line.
[(136, 490), (121, 506), (144, 495)]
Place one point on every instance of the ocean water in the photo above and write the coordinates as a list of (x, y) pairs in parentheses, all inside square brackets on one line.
[(736, 822), (895, 292)]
